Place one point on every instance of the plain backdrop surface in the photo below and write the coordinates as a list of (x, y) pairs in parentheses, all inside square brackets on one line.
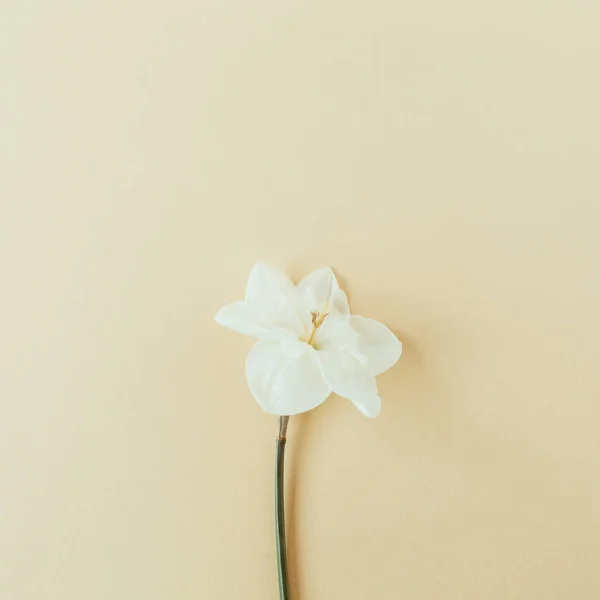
[(442, 157)]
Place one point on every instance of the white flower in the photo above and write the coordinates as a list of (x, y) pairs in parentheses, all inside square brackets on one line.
[(309, 343)]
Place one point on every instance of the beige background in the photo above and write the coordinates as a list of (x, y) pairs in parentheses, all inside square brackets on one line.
[(441, 156)]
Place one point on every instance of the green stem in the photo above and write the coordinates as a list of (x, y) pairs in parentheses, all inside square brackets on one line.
[(282, 569)]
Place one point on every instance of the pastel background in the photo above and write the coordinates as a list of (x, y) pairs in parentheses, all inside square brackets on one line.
[(442, 157)]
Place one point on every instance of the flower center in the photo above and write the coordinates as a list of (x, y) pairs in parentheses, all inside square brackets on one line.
[(317, 320)]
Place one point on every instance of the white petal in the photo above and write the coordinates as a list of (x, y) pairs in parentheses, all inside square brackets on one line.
[(284, 384), (349, 377), (320, 291), (336, 333), (380, 346), (370, 406), (292, 347), (269, 293), (240, 317)]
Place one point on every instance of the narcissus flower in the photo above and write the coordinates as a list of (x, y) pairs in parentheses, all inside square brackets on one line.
[(309, 345)]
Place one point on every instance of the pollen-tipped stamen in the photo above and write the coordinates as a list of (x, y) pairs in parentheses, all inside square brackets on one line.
[(317, 321)]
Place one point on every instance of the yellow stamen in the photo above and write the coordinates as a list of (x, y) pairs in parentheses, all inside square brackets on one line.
[(317, 321)]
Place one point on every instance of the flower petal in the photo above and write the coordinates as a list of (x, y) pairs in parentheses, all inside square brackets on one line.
[(337, 334), (240, 317), (370, 406), (380, 346), (349, 377), (268, 292), (320, 291), (284, 383)]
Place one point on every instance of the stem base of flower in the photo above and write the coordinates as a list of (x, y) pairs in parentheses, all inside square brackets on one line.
[(282, 568)]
